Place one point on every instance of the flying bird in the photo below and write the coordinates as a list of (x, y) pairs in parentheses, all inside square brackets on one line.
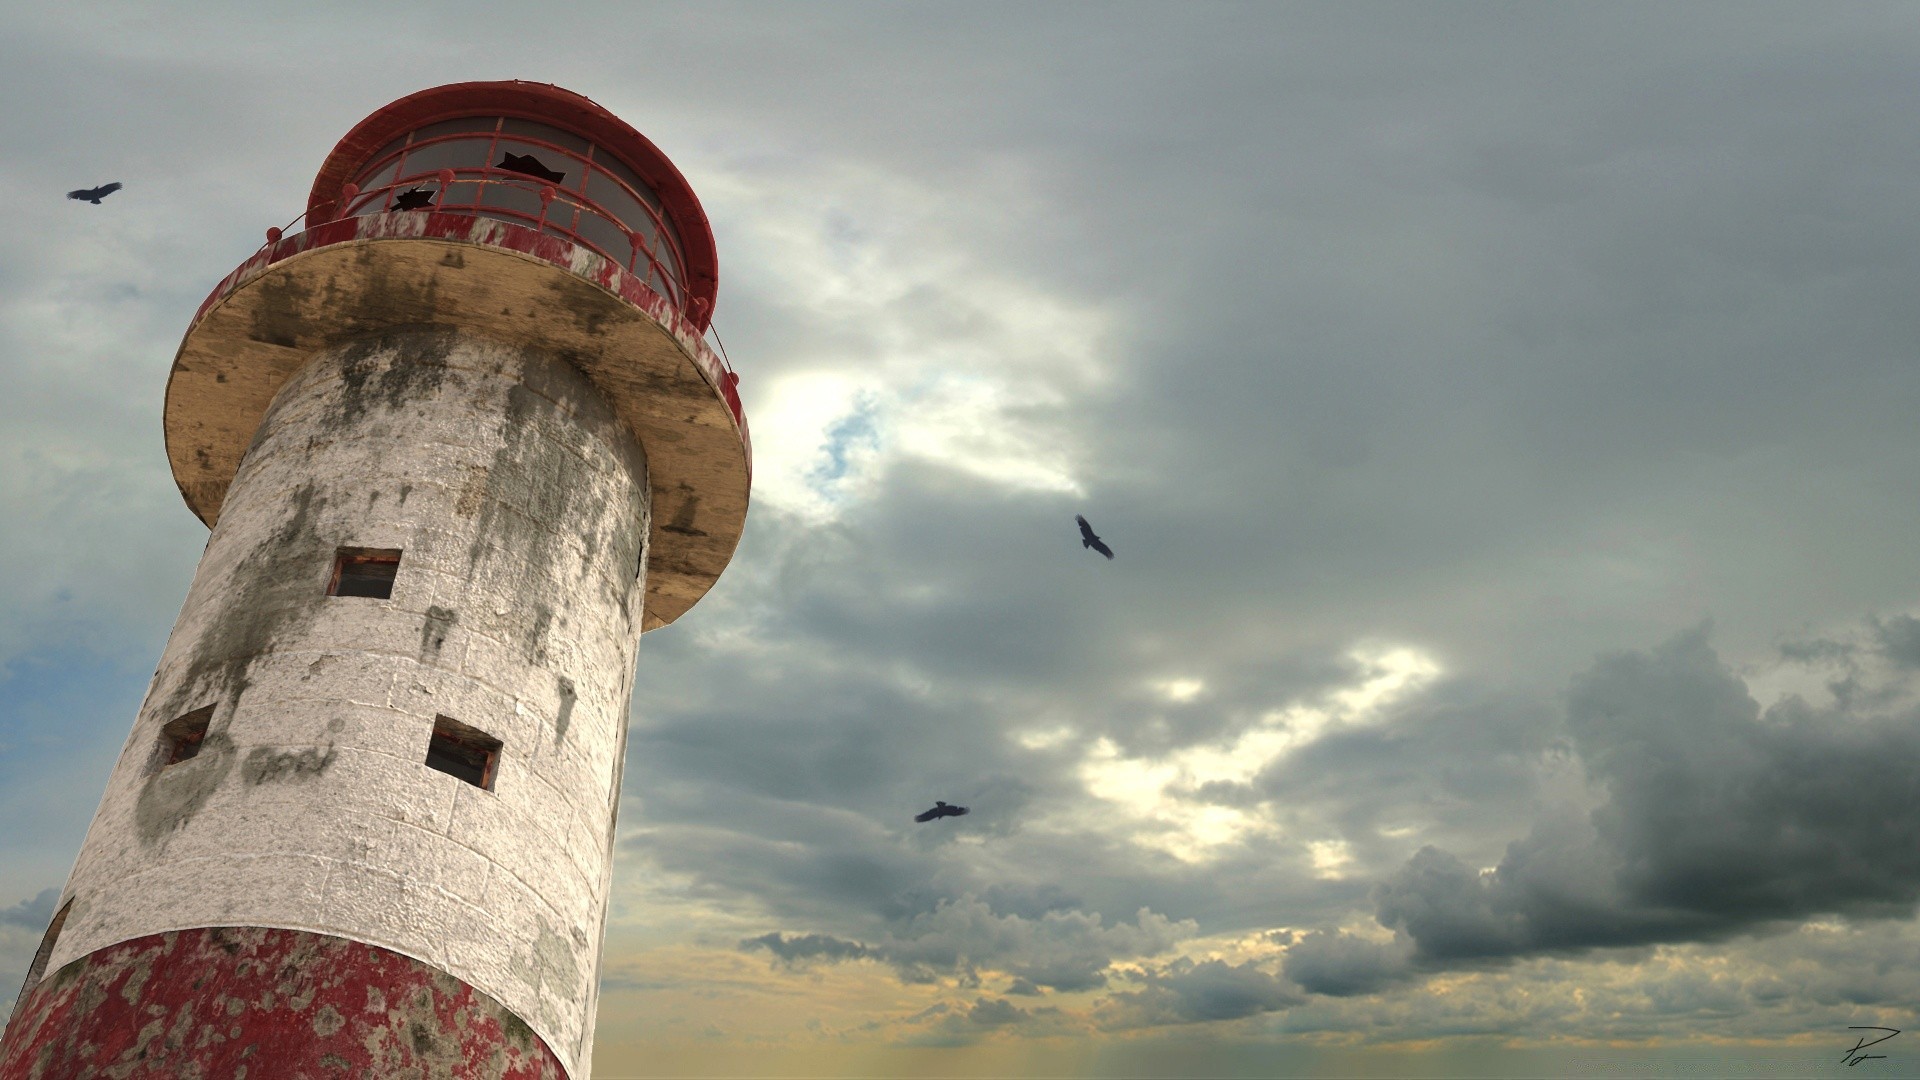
[(414, 199), (528, 165), (1088, 540), (940, 810), (94, 194)]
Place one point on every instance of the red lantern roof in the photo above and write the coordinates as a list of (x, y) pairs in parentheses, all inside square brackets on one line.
[(547, 104)]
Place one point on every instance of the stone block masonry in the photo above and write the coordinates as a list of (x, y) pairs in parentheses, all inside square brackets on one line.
[(518, 503)]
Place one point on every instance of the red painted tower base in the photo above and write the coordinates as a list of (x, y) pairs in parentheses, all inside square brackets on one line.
[(244, 1003)]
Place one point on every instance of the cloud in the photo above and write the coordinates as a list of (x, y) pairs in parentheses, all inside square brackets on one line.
[(1342, 965), (1067, 950), (1061, 950), (996, 1012), (796, 948), (1899, 640), (1191, 797), (904, 341), (33, 913), (1720, 818), (1186, 992)]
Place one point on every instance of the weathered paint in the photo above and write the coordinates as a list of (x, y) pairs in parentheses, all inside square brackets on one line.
[(519, 501), (249, 1003), (362, 275), (550, 105)]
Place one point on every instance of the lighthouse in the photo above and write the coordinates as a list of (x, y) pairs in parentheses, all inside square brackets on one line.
[(459, 441)]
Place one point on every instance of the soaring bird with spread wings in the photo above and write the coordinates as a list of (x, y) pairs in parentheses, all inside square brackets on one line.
[(1088, 540), (94, 194), (940, 810)]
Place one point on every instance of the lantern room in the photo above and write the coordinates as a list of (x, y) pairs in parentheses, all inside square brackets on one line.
[(535, 156)]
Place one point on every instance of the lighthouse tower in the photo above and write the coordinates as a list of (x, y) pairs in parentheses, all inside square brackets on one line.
[(459, 442)]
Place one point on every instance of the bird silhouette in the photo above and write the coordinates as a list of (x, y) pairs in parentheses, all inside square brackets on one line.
[(528, 165), (413, 199), (1088, 540), (94, 194), (940, 810)]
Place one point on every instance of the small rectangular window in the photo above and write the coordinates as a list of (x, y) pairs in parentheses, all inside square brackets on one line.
[(364, 572), (180, 739), (464, 752)]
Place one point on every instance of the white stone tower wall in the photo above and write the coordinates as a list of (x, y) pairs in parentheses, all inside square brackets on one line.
[(520, 505)]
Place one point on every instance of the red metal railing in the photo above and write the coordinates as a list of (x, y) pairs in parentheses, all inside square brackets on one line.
[(640, 257), (487, 145), (656, 270)]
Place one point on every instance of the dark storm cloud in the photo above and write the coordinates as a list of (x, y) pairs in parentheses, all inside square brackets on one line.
[(995, 1012), (1723, 810), (1341, 965), (1899, 640), (1028, 901), (1719, 819), (794, 948), (1185, 992)]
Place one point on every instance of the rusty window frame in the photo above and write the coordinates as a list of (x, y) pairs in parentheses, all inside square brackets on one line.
[(180, 738), (463, 752), (356, 560)]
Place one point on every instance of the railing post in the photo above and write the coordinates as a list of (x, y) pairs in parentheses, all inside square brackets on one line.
[(634, 238)]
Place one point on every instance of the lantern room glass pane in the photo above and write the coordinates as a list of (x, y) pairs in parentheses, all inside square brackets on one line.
[(567, 139), (379, 176), (451, 154), (649, 273), (460, 195), (618, 168), (667, 250), (614, 198), (511, 196), (609, 236), (560, 214), (454, 127)]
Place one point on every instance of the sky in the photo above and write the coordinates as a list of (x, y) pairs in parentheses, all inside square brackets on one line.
[(1504, 417)]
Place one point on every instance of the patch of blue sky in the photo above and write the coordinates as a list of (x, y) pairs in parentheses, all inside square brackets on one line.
[(64, 716), (848, 439)]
